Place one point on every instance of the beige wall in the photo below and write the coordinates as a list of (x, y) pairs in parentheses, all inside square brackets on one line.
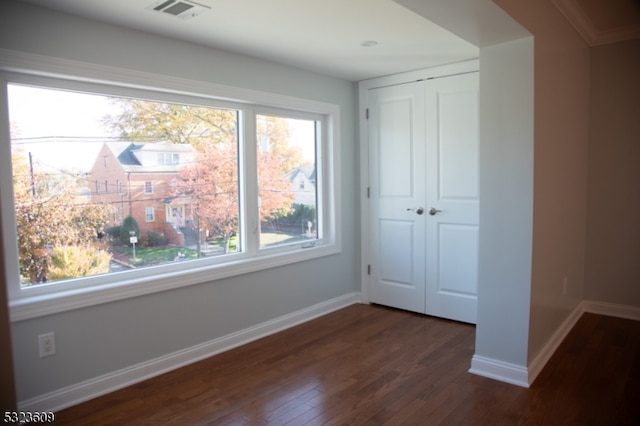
[(613, 230), (560, 165)]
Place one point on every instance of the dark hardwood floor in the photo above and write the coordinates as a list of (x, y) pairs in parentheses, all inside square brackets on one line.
[(370, 365)]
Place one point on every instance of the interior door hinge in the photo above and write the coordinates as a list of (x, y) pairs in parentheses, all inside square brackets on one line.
[(366, 113), (368, 192), (368, 269)]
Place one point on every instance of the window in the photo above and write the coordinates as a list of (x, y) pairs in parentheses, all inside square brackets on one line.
[(286, 152), (224, 181), (150, 214), (168, 159)]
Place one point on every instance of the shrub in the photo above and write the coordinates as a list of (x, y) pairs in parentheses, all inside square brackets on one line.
[(155, 239), (76, 261), (113, 231), (301, 214), (128, 224)]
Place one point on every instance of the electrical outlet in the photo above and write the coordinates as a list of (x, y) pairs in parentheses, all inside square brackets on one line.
[(47, 344)]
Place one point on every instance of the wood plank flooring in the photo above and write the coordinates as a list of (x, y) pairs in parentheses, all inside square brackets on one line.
[(370, 365)]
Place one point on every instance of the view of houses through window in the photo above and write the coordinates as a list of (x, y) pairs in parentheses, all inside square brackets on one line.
[(107, 184)]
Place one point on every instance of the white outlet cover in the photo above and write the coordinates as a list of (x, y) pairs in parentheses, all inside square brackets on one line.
[(47, 344)]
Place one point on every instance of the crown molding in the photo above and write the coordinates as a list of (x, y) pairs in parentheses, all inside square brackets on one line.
[(577, 17)]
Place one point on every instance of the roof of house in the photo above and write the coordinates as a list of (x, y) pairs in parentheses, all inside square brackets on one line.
[(308, 171), (125, 152)]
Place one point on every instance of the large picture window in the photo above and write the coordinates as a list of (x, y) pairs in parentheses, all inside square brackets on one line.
[(121, 139), (192, 180)]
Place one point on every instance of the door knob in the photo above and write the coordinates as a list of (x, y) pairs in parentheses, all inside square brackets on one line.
[(419, 210), (433, 211)]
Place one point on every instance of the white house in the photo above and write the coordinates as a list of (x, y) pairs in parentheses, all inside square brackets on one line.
[(303, 185)]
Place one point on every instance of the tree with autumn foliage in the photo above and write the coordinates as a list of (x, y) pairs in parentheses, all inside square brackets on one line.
[(147, 121), (211, 181), (276, 157), (52, 221), (212, 184)]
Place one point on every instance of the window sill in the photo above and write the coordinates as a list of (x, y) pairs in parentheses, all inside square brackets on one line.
[(41, 305)]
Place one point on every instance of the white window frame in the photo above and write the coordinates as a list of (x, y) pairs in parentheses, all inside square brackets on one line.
[(149, 214), (40, 300), (277, 112)]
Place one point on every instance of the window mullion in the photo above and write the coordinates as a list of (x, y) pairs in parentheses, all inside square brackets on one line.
[(250, 226)]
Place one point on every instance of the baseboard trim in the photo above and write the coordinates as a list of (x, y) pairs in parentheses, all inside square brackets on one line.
[(612, 309), (499, 370), (89, 389), (521, 376), (547, 351)]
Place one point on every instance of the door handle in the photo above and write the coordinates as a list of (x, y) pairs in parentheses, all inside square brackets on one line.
[(419, 210), (433, 211)]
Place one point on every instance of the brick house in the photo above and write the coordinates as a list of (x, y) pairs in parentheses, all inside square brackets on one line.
[(139, 179)]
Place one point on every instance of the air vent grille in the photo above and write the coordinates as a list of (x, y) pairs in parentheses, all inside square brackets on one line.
[(181, 8)]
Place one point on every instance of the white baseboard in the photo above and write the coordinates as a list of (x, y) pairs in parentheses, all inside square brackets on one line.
[(540, 360), (499, 370), (612, 309), (525, 376), (89, 389), (521, 375)]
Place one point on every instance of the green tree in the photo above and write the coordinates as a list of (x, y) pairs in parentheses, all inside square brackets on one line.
[(128, 224)]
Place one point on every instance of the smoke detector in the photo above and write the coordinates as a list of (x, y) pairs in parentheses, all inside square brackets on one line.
[(184, 9)]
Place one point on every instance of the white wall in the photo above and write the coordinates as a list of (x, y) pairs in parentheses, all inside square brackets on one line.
[(560, 167), (506, 207), (105, 338)]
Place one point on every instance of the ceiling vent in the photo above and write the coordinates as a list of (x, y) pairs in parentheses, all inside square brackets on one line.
[(181, 8)]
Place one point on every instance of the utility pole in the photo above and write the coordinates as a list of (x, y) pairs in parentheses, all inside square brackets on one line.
[(198, 248), (129, 190), (33, 182)]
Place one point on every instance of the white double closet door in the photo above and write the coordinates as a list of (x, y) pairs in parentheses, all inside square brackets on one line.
[(423, 153)]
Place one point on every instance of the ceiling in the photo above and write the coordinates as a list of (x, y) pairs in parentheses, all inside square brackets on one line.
[(349, 39), (323, 36)]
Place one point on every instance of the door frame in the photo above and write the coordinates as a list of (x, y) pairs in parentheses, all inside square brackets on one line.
[(472, 65)]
